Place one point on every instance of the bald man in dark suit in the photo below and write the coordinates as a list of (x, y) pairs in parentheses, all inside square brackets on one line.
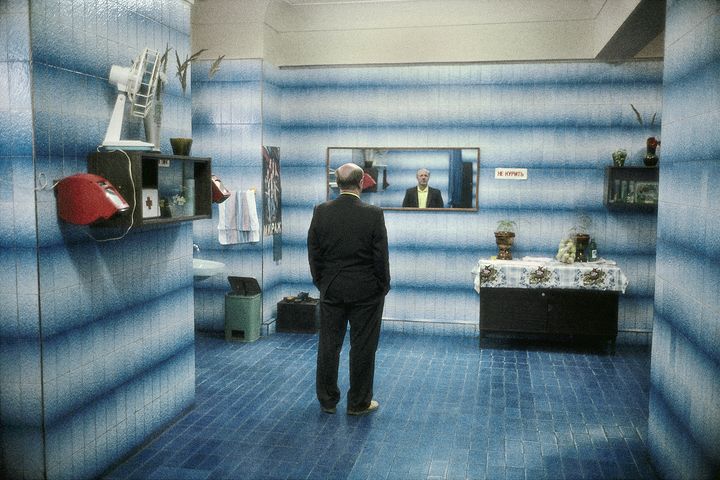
[(348, 256), (423, 196)]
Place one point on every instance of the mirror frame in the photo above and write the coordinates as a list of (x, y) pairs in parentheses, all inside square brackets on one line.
[(476, 189)]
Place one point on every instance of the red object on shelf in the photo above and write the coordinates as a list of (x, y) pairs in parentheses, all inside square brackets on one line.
[(85, 198), (368, 181), (219, 192)]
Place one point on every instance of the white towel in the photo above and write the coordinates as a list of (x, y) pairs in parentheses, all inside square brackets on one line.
[(238, 222), (228, 232), (249, 223)]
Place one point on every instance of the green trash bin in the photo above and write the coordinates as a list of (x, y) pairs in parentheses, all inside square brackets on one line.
[(243, 310)]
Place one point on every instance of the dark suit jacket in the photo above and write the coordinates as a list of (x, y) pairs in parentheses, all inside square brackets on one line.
[(434, 199), (348, 250)]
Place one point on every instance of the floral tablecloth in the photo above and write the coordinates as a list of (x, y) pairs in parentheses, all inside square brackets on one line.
[(548, 273)]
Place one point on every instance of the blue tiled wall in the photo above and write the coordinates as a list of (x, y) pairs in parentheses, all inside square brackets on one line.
[(20, 346), (97, 337), (273, 245), (561, 121), (227, 127), (684, 420)]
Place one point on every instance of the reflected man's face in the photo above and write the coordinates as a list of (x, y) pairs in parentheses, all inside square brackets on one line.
[(423, 177)]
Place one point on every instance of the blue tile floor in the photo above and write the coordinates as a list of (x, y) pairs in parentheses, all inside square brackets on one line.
[(448, 410)]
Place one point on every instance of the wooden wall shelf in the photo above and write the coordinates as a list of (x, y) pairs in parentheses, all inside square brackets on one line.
[(631, 188), (153, 179)]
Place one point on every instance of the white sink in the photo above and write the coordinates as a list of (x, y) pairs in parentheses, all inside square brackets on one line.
[(206, 268)]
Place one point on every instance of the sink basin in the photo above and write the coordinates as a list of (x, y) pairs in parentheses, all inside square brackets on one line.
[(206, 268)]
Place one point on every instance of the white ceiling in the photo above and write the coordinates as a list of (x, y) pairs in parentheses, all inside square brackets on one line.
[(315, 2), (449, 12), (325, 32)]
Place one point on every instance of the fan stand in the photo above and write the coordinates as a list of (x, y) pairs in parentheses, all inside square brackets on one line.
[(112, 135), (137, 83)]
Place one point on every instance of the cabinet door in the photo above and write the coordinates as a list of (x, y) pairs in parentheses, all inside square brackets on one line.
[(513, 310), (582, 312)]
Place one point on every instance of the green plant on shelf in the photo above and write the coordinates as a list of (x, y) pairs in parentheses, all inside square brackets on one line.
[(506, 226)]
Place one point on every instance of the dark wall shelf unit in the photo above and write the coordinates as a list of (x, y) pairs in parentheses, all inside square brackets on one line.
[(153, 183), (631, 188), (550, 312)]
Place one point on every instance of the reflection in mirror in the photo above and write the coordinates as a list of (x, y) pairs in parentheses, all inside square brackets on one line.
[(391, 175)]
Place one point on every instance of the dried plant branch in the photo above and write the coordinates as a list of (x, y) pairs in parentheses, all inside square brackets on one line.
[(164, 58), (637, 114), (215, 67), (182, 67)]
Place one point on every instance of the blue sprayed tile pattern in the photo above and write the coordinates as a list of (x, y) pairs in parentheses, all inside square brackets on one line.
[(561, 121), (227, 126), (448, 409), (96, 338), (684, 418)]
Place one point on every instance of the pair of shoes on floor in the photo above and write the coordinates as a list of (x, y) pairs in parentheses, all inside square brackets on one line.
[(371, 408), (328, 409)]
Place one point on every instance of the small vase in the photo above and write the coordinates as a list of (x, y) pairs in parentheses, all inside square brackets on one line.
[(181, 146), (581, 244), (504, 241), (651, 158)]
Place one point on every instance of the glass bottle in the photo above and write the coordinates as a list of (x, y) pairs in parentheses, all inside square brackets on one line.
[(593, 251)]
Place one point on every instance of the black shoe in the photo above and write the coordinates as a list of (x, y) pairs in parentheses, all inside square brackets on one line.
[(328, 409), (374, 405)]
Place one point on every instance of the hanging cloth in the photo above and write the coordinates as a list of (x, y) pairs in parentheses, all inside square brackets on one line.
[(249, 224), (228, 229)]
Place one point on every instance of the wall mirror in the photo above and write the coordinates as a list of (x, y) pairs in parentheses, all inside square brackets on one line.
[(391, 172)]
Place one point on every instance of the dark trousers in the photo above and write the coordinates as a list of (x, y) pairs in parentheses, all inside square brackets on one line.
[(365, 318)]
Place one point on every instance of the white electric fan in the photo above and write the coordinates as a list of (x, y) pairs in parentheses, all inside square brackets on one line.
[(138, 84)]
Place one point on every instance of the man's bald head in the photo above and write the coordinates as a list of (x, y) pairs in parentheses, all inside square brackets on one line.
[(349, 177)]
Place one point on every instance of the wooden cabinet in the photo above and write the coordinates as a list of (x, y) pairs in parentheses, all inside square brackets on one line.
[(159, 188), (631, 188), (587, 313)]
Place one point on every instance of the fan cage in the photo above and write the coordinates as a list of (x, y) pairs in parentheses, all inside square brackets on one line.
[(147, 73)]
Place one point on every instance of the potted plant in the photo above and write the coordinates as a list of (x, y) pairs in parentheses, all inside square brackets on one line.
[(504, 238), (651, 144), (651, 158), (153, 120), (181, 145)]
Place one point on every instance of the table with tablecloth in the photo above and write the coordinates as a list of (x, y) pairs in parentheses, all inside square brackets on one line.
[(542, 295)]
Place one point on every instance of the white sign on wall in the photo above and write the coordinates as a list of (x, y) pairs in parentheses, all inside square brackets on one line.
[(511, 173)]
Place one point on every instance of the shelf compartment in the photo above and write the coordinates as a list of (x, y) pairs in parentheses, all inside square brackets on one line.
[(167, 175)]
